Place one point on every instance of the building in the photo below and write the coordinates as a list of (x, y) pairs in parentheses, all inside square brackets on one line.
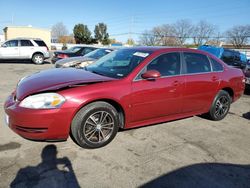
[(11, 32)]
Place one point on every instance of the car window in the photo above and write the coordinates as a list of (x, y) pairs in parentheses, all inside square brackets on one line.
[(12, 43), (87, 50), (168, 64), (40, 43), (227, 57), (120, 63), (96, 54), (216, 65), (196, 63), (26, 43)]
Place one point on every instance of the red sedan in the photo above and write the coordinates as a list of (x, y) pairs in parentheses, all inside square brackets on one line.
[(128, 88)]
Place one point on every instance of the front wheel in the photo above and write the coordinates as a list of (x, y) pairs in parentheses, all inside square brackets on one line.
[(220, 106), (38, 59), (95, 125)]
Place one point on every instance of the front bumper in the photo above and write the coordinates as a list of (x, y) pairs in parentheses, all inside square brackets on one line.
[(55, 59), (46, 55), (52, 124)]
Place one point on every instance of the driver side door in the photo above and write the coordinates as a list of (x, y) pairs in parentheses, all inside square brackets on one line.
[(9, 50), (161, 97)]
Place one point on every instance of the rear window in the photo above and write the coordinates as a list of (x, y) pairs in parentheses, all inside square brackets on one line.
[(40, 43), (217, 67)]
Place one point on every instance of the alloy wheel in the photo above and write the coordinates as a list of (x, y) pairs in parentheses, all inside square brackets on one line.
[(222, 106), (98, 127)]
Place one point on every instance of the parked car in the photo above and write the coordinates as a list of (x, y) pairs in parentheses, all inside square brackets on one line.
[(127, 88), (247, 74), (82, 61), (24, 49), (230, 57), (72, 52)]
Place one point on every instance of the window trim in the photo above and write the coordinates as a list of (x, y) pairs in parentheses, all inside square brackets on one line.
[(181, 67)]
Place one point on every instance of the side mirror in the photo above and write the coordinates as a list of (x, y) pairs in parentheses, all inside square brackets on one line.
[(151, 75), (4, 45)]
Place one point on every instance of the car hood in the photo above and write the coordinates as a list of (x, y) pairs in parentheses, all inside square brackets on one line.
[(74, 59), (54, 79)]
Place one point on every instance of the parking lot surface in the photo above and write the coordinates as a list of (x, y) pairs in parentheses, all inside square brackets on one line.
[(192, 152)]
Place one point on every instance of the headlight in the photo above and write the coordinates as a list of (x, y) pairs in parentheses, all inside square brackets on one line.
[(85, 63), (43, 101), (70, 64)]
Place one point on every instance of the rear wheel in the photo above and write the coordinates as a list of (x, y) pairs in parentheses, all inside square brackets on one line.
[(220, 106), (38, 59), (95, 125)]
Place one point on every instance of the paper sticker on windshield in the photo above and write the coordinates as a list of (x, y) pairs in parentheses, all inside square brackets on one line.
[(108, 51), (141, 54)]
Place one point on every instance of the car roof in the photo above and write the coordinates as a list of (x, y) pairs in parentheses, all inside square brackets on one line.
[(165, 49), (25, 38)]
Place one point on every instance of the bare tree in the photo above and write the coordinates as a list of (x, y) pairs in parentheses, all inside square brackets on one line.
[(182, 30), (217, 40), (58, 30), (202, 31), (238, 35), (148, 38), (165, 35)]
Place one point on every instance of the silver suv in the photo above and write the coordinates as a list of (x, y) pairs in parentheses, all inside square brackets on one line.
[(23, 48)]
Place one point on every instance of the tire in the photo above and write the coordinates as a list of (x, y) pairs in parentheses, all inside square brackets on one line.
[(38, 59), (220, 106), (95, 125)]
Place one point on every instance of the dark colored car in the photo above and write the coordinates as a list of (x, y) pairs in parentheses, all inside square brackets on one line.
[(72, 52), (82, 61), (127, 88), (230, 57), (247, 74)]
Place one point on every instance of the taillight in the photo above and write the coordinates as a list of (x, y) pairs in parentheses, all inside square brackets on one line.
[(62, 56), (244, 80)]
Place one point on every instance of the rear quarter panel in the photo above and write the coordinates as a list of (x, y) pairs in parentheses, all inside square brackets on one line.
[(233, 78)]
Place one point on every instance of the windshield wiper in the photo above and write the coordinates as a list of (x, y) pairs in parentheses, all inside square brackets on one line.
[(98, 73)]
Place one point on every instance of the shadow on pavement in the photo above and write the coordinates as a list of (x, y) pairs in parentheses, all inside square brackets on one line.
[(205, 175), (51, 172), (246, 115)]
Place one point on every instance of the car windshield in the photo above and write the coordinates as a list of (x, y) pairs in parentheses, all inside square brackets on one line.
[(73, 49), (97, 54), (118, 64)]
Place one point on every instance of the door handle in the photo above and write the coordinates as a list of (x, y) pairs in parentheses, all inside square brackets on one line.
[(175, 83), (214, 78)]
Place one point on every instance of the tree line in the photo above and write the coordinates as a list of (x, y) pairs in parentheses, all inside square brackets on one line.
[(203, 32), (81, 34), (180, 33)]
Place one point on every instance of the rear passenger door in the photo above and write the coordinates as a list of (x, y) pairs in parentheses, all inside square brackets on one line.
[(200, 82), (26, 48)]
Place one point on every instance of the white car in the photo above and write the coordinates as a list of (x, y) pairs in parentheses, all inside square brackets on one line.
[(23, 48)]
